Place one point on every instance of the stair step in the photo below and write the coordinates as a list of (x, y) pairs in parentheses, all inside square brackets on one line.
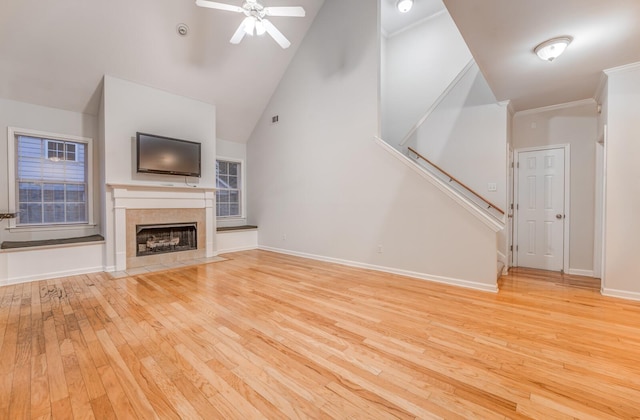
[(500, 268)]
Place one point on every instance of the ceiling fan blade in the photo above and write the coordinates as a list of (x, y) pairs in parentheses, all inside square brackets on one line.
[(276, 34), (295, 11), (219, 6), (239, 34)]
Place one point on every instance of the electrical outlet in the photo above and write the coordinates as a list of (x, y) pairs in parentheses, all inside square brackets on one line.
[(379, 249), (492, 186), (284, 236)]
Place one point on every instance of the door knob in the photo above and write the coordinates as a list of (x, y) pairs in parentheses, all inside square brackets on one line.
[(558, 216)]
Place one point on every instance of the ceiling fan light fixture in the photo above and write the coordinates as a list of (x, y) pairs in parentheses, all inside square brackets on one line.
[(404, 5), (260, 29), (255, 20), (249, 23), (553, 48)]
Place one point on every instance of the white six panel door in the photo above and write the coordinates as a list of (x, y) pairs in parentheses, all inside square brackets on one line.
[(540, 210)]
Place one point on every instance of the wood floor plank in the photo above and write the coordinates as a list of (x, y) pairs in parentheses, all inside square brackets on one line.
[(138, 399), (183, 408), (20, 404), (196, 398), (248, 393), (239, 405), (265, 335), (39, 387), (116, 393), (102, 408), (10, 333), (55, 368), (61, 409)]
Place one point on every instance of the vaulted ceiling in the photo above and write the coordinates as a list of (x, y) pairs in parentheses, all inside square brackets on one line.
[(54, 53)]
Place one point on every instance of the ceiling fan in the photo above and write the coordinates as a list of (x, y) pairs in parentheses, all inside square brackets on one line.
[(255, 19)]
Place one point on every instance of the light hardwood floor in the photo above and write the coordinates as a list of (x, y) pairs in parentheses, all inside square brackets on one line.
[(264, 335)]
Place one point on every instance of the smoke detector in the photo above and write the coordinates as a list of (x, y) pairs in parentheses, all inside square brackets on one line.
[(182, 29)]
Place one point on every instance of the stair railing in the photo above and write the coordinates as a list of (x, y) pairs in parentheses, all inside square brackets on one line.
[(477, 196)]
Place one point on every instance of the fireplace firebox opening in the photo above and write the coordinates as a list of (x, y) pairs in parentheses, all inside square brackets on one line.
[(166, 237)]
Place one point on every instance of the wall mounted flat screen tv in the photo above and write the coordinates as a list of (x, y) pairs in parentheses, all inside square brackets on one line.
[(164, 155)]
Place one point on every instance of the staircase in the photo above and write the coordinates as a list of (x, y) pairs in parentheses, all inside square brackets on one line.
[(460, 143), (445, 138)]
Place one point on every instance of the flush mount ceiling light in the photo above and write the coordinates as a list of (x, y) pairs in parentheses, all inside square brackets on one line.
[(551, 49), (404, 5)]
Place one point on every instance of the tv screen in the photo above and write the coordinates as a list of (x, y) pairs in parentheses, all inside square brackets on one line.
[(164, 155)]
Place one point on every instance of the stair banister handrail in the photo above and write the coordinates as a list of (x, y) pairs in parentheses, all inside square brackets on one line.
[(440, 98), (451, 177)]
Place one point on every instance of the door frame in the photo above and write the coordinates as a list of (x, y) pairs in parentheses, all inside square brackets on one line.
[(567, 198), (598, 230), (511, 157)]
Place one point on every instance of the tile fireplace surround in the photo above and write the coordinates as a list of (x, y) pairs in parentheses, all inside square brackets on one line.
[(146, 204)]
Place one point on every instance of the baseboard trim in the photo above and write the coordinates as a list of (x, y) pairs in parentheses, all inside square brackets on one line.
[(420, 276), (623, 294), (47, 276), (579, 272), (237, 249)]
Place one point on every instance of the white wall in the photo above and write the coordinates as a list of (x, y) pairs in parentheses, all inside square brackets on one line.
[(576, 125), (320, 186), (622, 225), (57, 121), (128, 108), (231, 149), (236, 240), (466, 135), (29, 264), (417, 65)]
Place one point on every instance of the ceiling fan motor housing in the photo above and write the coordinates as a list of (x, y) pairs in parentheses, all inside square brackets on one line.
[(253, 8)]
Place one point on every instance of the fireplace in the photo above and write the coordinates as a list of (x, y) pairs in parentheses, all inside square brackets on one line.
[(166, 237), (135, 205), (158, 250)]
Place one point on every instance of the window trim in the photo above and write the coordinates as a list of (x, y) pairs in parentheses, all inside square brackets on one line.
[(243, 188), (12, 133)]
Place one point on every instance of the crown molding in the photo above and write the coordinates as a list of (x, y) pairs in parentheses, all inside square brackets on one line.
[(623, 68), (416, 24), (581, 102)]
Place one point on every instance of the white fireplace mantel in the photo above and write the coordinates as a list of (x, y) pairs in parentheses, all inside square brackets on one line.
[(147, 196)]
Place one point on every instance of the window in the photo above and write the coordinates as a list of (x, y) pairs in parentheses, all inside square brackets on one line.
[(229, 188), (51, 179), (60, 150)]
